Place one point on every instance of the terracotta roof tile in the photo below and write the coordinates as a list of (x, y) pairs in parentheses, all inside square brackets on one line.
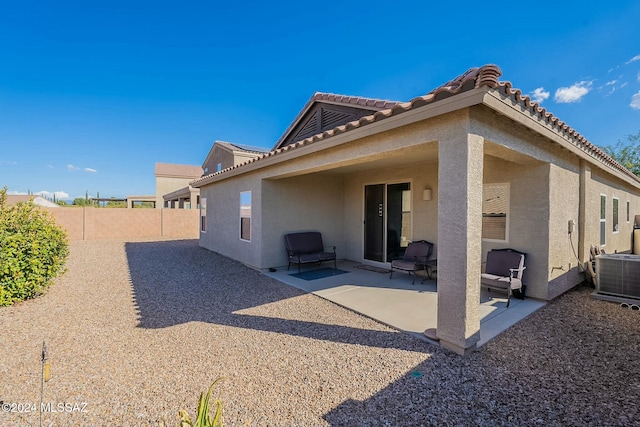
[(561, 127), (485, 76)]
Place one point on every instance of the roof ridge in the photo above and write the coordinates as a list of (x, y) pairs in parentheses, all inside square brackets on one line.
[(354, 100)]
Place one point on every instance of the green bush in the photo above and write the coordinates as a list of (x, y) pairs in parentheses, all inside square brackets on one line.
[(33, 250)]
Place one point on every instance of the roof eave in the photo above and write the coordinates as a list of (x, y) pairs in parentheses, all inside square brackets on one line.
[(538, 122), (302, 148)]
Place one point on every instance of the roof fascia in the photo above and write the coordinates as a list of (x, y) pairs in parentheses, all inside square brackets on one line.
[(185, 191), (447, 105)]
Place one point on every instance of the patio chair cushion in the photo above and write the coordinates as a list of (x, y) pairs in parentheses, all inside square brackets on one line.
[(309, 242), (414, 259), (307, 247), (504, 270), (499, 263)]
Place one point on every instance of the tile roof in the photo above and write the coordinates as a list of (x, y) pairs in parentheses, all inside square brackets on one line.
[(175, 170), (562, 128), (485, 76), (332, 98), (243, 147)]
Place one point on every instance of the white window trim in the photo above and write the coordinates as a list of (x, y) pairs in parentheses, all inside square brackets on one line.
[(508, 218), (613, 218), (603, 220)]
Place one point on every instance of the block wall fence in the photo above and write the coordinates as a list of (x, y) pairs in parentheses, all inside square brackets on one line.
[(89, 223)]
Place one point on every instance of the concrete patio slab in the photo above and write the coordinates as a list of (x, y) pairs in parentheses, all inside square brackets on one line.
[(397, 302)]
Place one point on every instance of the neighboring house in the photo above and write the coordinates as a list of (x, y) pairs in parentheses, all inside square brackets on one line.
[(223, 155), (471, 166), (172, 185), (13, 199)]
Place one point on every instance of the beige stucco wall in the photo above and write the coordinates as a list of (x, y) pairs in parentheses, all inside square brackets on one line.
[(543, 200), (324, 191), (219, 155), (304, 203), (295, 196), (165, 185), (527, 217), (223, 219), (601, 184)]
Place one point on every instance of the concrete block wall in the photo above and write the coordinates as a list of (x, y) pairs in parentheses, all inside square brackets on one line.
[(90, 223)]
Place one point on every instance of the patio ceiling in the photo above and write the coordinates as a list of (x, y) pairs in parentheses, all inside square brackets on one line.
[(426, 153)]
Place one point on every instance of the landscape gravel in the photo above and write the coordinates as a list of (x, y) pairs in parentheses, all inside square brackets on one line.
[(137, 330)]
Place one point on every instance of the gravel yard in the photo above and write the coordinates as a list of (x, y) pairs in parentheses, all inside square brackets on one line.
[(136, 330)]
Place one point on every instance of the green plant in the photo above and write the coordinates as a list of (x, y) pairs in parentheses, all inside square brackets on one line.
[(33, 250), (203, 417)]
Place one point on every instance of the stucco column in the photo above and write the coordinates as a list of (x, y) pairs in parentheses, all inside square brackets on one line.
[(460, 169)]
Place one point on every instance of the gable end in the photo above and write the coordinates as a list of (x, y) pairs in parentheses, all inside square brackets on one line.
[(322, 117)]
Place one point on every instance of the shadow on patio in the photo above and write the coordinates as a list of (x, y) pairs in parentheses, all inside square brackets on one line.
[(176, 282)]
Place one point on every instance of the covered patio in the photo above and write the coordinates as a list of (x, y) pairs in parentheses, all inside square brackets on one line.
[(396, 302), (470, 167)]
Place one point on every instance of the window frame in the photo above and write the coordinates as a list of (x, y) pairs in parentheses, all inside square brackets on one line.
[(203, 214), (244, 216), (615, 214), (603, 220), (628, 211), (507, 213)]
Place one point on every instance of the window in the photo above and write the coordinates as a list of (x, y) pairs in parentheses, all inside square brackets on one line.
[(603, 220), (495, 212), (628, 210), (245, 215), (219, 167), (616, 211), (203, 214)]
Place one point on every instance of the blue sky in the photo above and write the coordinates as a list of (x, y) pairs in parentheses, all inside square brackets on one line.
[(93, 94)]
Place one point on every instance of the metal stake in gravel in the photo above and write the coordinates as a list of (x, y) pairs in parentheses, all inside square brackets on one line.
[(46, 375)]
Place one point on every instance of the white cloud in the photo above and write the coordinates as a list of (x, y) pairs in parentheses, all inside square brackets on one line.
[(7, 162), (539, 95), (611, 83), (50, 166), (48, 194), (639, 77), (635, 101), (72, 168), (634, 59), (626, 83), (573, 93)]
